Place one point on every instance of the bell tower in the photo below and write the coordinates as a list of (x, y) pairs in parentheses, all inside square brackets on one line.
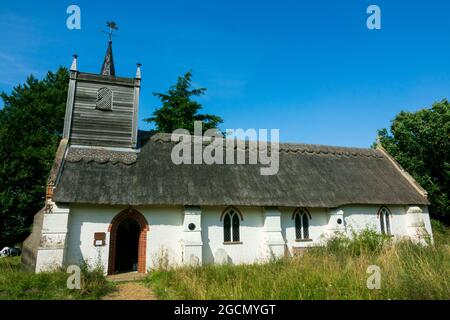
[(102, 109)]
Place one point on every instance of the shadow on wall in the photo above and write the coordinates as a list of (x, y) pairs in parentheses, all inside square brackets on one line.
[(208, 256), (222, 257), (219, 257), (81, 237)]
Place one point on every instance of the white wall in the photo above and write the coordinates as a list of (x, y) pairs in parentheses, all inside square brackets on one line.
[(252, 247), (165, 236), (357, 218), (317, 227), (84, 221), (427, 221)]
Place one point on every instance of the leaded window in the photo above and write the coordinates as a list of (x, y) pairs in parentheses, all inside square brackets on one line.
[(385, 224), (231, 223), (301, 220)]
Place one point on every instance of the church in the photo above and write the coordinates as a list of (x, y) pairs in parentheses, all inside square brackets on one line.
[(115, 199)]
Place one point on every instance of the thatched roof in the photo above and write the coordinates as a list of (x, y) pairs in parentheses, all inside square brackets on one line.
[(309, 176)]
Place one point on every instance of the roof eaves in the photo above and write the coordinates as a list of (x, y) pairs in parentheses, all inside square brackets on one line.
[(405, 173), (57, 163)]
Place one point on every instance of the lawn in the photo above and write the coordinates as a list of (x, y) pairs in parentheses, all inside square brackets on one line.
[(335, 271)]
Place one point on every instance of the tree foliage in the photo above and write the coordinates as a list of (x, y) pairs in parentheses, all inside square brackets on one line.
[(31, 124), (420, 142), (178, 111)]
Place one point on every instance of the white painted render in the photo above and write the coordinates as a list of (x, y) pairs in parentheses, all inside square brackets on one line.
[(164, 238), (68, 232), (250, 248), (317, 228)]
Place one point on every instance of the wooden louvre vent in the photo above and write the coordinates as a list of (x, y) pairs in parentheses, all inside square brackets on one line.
[(104, 99)]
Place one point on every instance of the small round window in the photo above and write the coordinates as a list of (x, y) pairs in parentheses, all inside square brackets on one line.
[(104, 99)]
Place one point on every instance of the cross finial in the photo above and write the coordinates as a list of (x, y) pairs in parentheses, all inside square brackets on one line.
[(112, 27)]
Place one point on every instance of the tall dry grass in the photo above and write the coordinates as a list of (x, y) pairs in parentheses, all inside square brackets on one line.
[(337, 270)]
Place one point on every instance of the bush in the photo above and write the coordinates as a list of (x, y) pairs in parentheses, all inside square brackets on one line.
[(93, 281), (367, 242)]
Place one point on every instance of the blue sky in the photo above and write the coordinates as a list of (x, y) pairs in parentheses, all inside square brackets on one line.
[(309, 68)]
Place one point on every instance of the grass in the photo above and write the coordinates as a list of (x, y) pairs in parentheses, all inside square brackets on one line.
[(337, 270), (16, 284)]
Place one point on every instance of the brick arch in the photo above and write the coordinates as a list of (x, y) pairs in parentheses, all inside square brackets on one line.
[(142, 246)]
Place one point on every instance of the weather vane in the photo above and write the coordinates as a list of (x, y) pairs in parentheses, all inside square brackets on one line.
[(112, 27)]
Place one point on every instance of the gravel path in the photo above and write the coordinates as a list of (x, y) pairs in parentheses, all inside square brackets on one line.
[(131, 291)]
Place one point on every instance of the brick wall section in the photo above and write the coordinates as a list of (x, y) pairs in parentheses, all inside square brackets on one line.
[(49, 193), (142, 250)]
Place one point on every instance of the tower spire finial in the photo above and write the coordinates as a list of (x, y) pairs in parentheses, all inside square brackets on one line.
[(138, 71), (108, 63), (73, 67), (112, 27)]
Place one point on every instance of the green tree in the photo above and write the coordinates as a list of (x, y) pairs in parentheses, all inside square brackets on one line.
[(420, 142), (178, 111), (31, 124)]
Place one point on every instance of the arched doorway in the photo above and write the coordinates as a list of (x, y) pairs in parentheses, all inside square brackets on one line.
[(128, 242)]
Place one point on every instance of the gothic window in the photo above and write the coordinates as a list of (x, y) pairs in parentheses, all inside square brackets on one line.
[(231, 223), (385, 220), (301, 220), (104, 99), (227, 228)]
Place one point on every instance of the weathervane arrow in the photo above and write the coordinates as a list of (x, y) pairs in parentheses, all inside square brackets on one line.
[(108, 63), (112, 27)]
